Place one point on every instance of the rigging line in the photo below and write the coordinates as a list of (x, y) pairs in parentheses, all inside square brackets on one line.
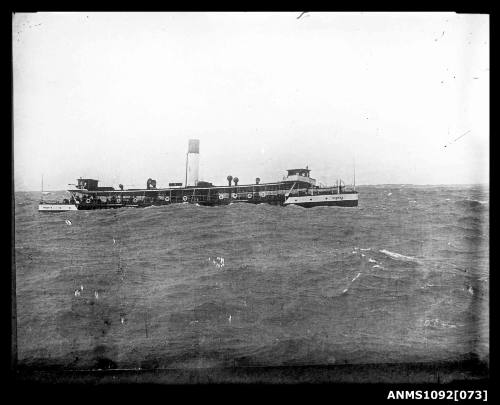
[(456, 139), (465, 133)]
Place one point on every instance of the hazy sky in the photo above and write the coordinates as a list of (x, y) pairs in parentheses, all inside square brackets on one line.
[(116, 96)]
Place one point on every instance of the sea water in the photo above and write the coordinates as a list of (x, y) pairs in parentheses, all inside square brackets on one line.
[(404, 277)]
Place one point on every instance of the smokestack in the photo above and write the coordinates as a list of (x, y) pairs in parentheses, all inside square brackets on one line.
[(192, 162), (257, 180)]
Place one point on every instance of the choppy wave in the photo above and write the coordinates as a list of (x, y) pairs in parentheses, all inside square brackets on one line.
[(437, 323), (398, 256), (471, 203)]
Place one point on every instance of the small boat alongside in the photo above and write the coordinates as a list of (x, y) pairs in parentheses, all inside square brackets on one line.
[(56, 206)]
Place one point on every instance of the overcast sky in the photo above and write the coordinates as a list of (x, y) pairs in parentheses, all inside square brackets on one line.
[(116, 96)]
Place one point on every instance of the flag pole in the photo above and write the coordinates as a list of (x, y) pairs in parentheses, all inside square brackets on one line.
[(354, 168)]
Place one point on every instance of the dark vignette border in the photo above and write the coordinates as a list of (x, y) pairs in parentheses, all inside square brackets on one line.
[(467, 373)]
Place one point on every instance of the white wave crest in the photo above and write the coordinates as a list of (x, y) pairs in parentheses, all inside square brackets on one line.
[(437, 323), (398, 256)]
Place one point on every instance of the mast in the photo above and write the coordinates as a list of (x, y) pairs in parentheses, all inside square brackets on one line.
[(354, 180), (185, 182)]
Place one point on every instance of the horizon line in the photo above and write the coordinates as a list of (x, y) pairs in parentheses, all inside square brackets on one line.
[(358, 185)]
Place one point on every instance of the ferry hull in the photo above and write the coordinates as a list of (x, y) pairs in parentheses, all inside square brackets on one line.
[(268, 197)]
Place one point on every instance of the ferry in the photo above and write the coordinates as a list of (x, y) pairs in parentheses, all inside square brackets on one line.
[(296, 188)]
